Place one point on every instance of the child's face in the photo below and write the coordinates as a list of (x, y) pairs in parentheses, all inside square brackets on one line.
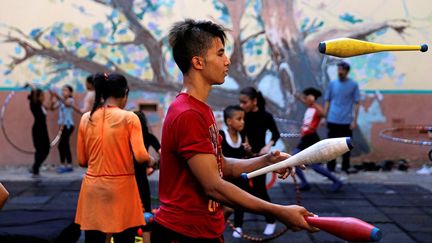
[(247, 104), (310, 99), (66, 92), (236, 121), (89, 86)]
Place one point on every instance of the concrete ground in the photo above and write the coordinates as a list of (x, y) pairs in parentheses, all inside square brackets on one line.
[(399, 203)]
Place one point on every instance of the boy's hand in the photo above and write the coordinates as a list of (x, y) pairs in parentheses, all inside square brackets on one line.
[(276, 157), (293, 217), (247, 147)]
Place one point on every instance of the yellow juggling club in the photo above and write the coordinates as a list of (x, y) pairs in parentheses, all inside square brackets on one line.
[(347, 47)]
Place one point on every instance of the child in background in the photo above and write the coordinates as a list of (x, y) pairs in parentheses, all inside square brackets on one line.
[(235, 146), (142, 170), (257, 122), (40, 136), (108, 139), (90, 94), (65, 105), (311, 120)]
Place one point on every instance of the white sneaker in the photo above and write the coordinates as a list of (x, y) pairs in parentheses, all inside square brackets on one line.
[(270, 229), (237, 233), (425, 170)]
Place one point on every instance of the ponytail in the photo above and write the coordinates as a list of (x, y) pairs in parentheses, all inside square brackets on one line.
[(99, 80), (260, 101), (252, 93)]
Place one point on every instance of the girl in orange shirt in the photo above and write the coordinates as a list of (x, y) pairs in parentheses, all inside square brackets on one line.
[(108, 139)]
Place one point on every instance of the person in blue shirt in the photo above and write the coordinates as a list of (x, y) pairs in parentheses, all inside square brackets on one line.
[(65, 104), (341, 107)]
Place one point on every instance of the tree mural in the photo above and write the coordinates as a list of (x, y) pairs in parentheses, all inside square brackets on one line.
[(124, 43)]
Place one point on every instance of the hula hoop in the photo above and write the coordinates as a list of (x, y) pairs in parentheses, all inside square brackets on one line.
[(272, 181), (2, 114), (404, 140)]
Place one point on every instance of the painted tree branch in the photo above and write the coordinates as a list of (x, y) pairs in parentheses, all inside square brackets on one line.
[(219, 98), (237, 69), (252, 36), (29, 51), (122, 43), (143, 37)]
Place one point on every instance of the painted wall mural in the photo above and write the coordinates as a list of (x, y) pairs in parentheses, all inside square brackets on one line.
[(272, 45)]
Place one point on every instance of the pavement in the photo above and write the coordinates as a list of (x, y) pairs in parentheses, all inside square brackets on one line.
[(399, 203)]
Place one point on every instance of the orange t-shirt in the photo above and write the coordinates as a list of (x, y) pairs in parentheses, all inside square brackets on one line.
[(109, 200)]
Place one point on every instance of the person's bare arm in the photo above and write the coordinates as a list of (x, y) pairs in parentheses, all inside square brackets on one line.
[(300, 98), (320, 110), (234, 167), (356, 111), (81, 149), (88, 102), (326, 108), (205, 168), (67, 102)]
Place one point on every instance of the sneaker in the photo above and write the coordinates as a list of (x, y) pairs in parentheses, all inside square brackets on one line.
[(425, 170), (61, 170), (237, 232), (336, 186), (269, 229)]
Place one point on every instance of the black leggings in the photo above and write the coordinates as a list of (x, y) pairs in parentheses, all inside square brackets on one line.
[(41, 144), (259, 190), (143, 185), (239, 213), (64, 147), (39, 157), (127, 236), (336, 131)]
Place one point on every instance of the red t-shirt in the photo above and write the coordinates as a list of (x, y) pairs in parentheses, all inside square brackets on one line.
[(189, 129), (311, 121)]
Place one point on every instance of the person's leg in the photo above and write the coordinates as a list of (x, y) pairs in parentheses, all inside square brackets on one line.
[(238, 223), (94, 236), (347, 132), (332, 133), (238, 213), (259, 187), (67, 151), (304, 184), (140, 173), (62, 146), (127, 236), (337, 184), (238, 218), (40, 155), (146, 190)]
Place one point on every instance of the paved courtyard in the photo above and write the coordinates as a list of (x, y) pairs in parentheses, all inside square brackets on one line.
[(399, 203)]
